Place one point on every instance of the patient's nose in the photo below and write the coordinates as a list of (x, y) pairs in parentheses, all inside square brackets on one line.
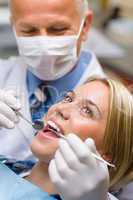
[(64, 112)]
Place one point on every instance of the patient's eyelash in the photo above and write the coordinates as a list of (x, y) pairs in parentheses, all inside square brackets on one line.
[(87, 111), (67, 99)]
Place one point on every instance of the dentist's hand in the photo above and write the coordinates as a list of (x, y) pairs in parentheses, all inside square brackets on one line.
[(8, 117), (76, 174)]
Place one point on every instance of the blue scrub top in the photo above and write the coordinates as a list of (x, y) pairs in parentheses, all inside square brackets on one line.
[(13, 187)]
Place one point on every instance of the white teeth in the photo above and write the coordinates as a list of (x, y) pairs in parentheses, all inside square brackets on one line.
[(52, 124)]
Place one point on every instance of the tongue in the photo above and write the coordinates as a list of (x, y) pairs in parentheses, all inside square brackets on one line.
[(49, 132)]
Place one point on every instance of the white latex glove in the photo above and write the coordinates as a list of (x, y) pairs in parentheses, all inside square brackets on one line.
[(76, 174), (8, 117)]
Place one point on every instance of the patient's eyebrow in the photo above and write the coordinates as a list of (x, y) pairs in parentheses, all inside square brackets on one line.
[(89, 101), (72, 93), (93, 104)]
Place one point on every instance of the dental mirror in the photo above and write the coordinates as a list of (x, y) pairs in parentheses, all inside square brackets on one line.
[(38, 125)]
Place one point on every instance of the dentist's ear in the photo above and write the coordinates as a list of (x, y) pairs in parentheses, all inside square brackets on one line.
[(87, 24)]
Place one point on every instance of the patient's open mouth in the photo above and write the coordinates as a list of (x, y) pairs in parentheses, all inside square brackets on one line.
[(52, 130), (53, 127)]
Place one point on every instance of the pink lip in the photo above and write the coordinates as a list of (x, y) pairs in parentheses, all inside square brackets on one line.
[(47, 135)]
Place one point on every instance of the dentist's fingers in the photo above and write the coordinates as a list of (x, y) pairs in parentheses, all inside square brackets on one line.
[(68, 154), (9, 98), (61, 165), (8, 104), (91, 145), (12, 101), (80, 149), (7, 112), (6, 123)]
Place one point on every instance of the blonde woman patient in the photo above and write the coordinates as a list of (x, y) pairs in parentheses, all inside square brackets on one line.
[(95, 118), (101, 110)]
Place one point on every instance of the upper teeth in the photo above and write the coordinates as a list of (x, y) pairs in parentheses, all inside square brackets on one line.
[(53, 125)]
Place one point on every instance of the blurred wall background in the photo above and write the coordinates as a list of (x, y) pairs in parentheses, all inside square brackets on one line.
[(7, 40)]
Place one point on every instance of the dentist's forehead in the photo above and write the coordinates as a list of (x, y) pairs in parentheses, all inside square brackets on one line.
[(55, 6)]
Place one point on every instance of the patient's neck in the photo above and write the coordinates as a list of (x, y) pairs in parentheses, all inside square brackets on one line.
[(40, 177)]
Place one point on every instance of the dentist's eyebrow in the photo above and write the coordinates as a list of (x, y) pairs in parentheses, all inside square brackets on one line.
[(26, 24), (28, 28)]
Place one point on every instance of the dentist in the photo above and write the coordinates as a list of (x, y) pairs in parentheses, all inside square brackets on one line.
[(51, 62)]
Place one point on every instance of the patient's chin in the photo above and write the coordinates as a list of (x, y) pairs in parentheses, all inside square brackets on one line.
[(44, 158), (45, 153)]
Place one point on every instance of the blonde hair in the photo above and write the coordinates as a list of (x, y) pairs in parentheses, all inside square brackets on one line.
[(118, 138)]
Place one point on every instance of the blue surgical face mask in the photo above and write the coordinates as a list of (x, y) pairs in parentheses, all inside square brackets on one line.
[(49, 58)]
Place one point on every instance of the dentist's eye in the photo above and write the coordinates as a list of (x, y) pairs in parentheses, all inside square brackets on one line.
[(57, 30), (29, 32)]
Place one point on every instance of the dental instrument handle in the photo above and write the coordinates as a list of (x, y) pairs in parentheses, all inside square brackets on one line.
[(102, 160), (37, 125), (23, 117)]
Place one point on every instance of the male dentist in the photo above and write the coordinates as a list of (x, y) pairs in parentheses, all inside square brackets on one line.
[(49, 35)]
